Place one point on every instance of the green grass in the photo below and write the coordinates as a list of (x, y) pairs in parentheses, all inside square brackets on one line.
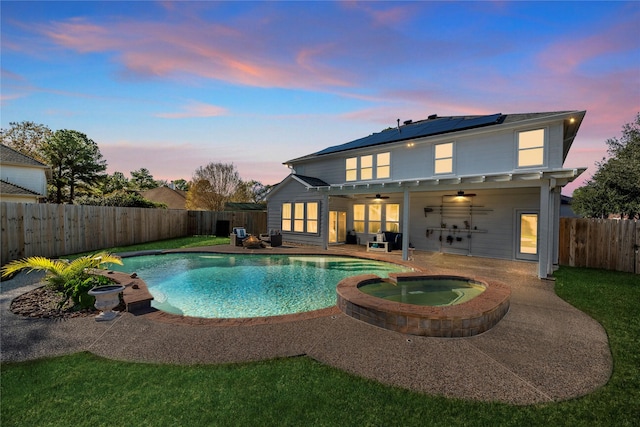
[(82, 389), (178, 243)]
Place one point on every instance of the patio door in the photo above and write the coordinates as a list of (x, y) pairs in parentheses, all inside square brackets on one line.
[(337, 226), (527, 235)]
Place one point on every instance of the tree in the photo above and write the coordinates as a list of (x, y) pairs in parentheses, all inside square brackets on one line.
[(214, 185), (112, 183), (75, 160), (615, 187), (141, 179), (27, 138), (181, 184)]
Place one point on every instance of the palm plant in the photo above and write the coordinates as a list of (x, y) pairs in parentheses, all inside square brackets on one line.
[(61, 275)]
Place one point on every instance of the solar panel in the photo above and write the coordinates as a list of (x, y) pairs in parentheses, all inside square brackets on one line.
[(417, 130)]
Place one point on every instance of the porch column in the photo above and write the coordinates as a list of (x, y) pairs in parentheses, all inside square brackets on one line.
[(406, 207), (324, 223), (557, 205), (545, 233)]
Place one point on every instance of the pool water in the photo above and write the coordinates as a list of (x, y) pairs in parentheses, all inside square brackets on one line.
[(237, 286), (431, 292)]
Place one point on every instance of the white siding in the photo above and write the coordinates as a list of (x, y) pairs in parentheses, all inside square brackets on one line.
[(33, 179), (293, 192)]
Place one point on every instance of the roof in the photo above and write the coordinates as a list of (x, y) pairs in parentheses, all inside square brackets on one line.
[(10, 156), (307, 181), (435, 125), (310, 181), (16, 190), (411, 130), (235, 206), (174, 199)]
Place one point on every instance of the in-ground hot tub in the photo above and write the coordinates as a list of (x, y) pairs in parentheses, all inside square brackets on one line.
[(464, 315)]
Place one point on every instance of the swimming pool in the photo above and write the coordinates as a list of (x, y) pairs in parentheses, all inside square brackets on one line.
[(238, 286)]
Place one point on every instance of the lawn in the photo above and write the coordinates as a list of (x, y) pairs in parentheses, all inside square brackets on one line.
[(78, 390)]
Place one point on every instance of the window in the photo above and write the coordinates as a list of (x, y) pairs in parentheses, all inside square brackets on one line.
[(531, 148), (300, 217), (286, 217), (444, 158), (528, 233), (375, 219), (352, 169), (358, 218), (392, 218), (383, 165), (312, 217), (366, 167)]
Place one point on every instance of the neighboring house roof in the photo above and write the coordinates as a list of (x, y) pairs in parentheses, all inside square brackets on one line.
[(10, 156), (435, 125), (16, 190), (233, 206), (174, 199)]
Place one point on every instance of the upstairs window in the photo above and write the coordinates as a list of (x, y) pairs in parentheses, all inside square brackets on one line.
[(352, 169), (368, 167), (443, 158), (383, 165), (531, 148)]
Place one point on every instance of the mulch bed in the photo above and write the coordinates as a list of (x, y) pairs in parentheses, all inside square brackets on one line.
[(43, 303)]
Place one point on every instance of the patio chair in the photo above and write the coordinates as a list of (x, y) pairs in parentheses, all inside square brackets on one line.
[(238, 236)]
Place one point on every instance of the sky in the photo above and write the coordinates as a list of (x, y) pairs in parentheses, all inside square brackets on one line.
[(173, 86)]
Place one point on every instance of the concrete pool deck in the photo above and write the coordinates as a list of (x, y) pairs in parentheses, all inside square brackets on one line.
[(543, 350)]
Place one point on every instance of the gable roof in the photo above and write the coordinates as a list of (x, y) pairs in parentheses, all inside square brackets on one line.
[(16, 190), (10, 156), (306, 181), (174, 199)]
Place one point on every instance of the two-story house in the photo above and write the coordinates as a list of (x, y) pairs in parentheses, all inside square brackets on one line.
[(22, 179), (485, 186)]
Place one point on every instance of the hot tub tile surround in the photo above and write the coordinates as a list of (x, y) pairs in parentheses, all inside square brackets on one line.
[(462, 320)]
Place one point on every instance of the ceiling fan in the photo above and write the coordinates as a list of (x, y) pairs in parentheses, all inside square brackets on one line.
[(378, 197), (461, 194)]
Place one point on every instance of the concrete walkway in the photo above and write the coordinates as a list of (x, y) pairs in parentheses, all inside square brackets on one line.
[(543, 350)]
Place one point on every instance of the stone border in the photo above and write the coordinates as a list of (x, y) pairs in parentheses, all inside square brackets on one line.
[(462, 320)]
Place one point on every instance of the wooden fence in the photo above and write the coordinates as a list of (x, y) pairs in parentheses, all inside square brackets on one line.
[(600, 243), (51, 230)]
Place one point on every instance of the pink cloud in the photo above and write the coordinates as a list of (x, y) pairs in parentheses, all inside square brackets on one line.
[(195, 109), (213, 51)]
